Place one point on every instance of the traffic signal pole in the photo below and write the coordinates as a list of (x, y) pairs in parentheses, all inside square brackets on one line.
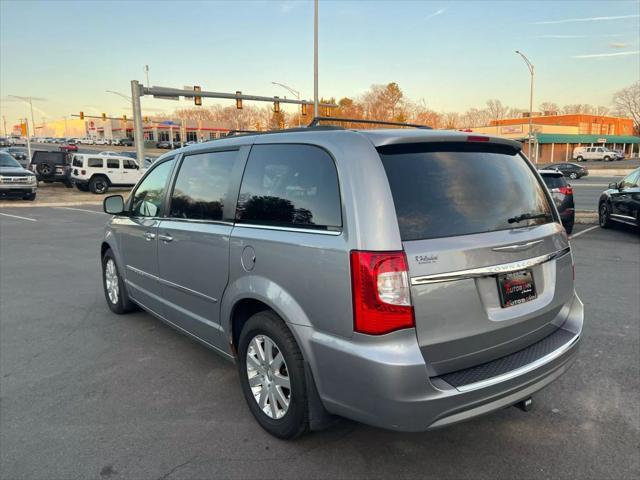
[(138, 135)]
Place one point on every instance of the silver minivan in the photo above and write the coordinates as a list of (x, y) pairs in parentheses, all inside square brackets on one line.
[(407, 279)]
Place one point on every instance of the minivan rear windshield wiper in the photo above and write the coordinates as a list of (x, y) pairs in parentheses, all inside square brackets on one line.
[(528, 216)]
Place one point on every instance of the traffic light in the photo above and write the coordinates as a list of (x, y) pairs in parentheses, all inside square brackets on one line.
[(124, 118), (146, 119), (81, 115), (197, 100), (276, 105), (23, 129), (104, 117), (281, 124), (304, 109), (238, 100)]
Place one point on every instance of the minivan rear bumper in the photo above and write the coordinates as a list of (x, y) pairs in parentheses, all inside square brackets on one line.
[(383, 381)]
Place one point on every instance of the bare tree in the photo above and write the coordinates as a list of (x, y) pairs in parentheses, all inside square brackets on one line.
[(549, 107), (627, 104), (496, 110)]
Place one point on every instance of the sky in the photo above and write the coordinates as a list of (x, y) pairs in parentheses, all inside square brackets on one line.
[(453, 55)]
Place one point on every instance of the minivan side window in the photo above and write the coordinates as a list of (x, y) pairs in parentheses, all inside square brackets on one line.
[(200, 190), (147, 198), (95, 162), (290, 185)]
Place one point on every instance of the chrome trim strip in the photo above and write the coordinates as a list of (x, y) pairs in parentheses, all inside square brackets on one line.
[(489, 270), (194, 220), (517, 247), (187, 290), (289, 229), (141, 272), (522, 370), (171, 284)]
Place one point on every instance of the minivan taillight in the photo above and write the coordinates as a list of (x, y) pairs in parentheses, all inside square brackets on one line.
[(380, 290)]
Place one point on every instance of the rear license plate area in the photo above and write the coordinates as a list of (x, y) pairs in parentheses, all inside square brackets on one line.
[(516, 288)]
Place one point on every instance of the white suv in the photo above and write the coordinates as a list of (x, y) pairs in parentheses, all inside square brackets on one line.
[(95, 173), (595, 153)]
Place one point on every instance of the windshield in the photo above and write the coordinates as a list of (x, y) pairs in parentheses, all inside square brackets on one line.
[(7, 160), (442, 190)]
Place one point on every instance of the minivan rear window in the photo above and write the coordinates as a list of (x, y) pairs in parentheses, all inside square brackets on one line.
[(450, 189)]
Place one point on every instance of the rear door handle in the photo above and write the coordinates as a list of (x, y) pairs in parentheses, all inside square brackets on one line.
[(149, 236), (166, 238)]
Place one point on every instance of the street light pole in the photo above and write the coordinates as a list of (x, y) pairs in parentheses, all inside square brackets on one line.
[(137, 122), (315, 58), (532, 71), (293, 91)]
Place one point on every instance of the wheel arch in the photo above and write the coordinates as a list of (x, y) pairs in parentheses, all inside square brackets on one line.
[(251, 294)]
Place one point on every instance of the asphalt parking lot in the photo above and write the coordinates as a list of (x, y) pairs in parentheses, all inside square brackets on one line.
[(89, 394)]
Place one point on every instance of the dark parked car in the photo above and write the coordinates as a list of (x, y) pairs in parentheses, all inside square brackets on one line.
[(571, 170), (166, 144), (125, 142), (16, 181), (621, 202), (19, 153), (51, 167), (562, 195), (4, 142)]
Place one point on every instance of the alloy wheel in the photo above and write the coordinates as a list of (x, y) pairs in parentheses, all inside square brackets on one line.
[(111, 281), (268, 377)]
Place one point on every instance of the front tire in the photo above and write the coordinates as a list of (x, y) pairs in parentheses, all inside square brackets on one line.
[(272, 376), (604, 219), (114, 289), (607, 159), (580, 159)]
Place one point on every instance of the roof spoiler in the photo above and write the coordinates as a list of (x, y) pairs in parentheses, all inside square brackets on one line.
[(317, 120)]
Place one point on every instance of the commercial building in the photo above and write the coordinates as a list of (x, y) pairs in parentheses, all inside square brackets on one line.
[(154, 129), (555, 136)]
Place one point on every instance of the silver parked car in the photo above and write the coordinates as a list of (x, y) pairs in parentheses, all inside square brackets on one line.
[(407, 279)]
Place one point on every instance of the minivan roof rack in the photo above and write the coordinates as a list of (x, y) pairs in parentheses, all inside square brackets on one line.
[(317, 120)]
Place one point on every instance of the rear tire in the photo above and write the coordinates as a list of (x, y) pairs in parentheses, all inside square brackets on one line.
[(114, 288), (603, 216), (288, 415), (573, 175), (99, 185)]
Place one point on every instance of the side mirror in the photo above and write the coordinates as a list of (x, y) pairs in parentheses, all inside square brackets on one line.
[(613, 186), (113, 205)]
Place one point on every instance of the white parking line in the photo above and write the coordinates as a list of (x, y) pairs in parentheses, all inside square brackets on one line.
[(21, 218), (81, 210), (584, 231)]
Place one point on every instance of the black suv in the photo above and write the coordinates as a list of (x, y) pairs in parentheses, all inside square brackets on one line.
[(52, 167), (562, 194)]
